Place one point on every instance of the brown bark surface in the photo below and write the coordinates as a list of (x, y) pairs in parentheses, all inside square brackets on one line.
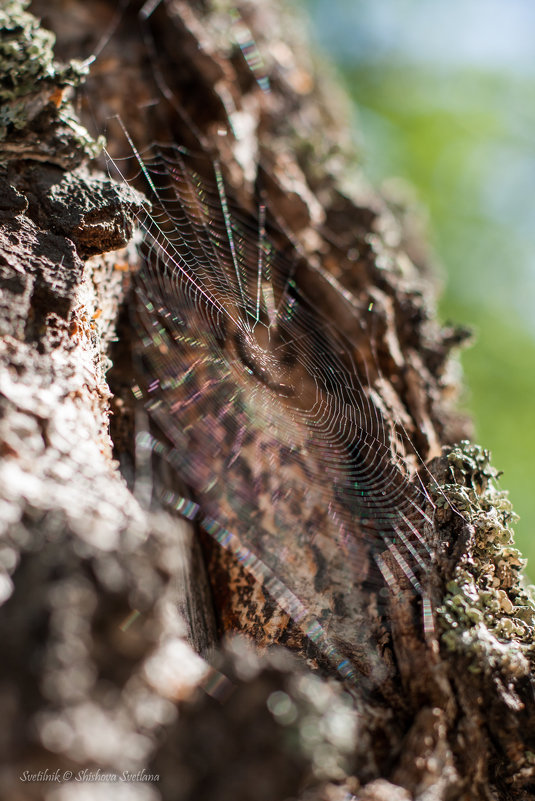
[(115, 609)]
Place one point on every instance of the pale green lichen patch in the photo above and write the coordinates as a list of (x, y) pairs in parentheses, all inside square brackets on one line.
[(488, 613), (26, 51), (32, 82)]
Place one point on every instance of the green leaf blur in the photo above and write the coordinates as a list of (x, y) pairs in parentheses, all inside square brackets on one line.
[(463, 137)]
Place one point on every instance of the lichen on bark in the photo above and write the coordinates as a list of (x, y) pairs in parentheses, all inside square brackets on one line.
[(36, 118), (488, 612)]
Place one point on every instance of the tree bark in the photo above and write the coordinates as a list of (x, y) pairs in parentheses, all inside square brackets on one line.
[(118, 674)]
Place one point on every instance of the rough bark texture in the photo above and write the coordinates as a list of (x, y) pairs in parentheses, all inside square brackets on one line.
[(110, 627)]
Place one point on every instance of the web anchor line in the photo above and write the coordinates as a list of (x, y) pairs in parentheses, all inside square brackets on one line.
[(273, 428)]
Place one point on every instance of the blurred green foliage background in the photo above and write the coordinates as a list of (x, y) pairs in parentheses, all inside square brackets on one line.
[(445, 97)]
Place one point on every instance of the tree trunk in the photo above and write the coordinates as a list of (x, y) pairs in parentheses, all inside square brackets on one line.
[(285, 467)]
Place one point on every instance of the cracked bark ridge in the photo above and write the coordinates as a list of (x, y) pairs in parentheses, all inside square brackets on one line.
[(87, 578)]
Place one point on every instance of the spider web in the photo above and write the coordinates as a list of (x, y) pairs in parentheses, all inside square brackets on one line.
[(291, 465)]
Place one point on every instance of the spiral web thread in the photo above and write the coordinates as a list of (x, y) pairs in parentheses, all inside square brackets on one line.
[(259, 394)]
